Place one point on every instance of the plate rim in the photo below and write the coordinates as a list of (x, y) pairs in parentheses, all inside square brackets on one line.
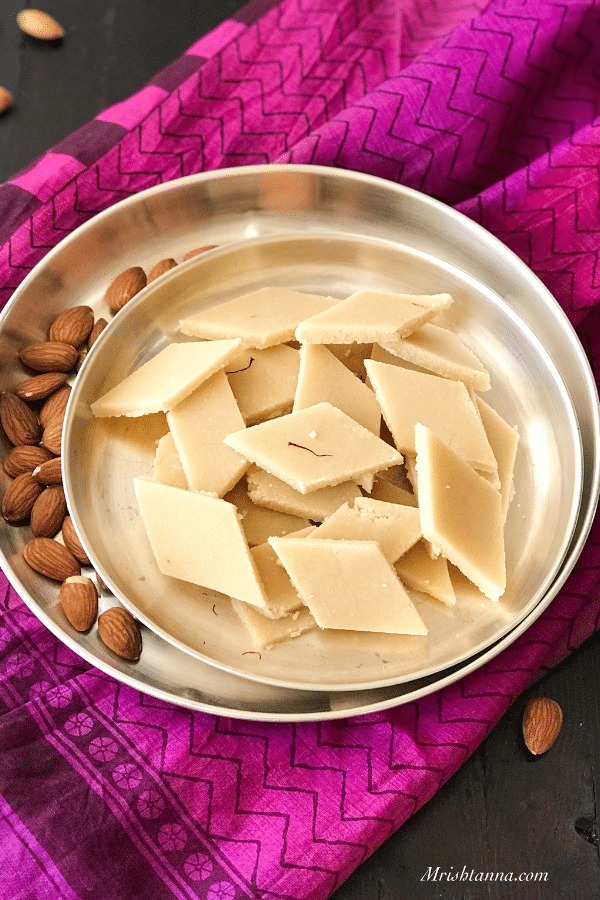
[(129, 312), (593, 478)]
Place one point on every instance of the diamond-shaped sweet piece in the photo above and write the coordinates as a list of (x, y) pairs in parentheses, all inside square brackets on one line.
[(323, 377), (167, 464), (264, 382), (265, 633), (371, 316), (198, 425), (166, 379), (395, 528), (261, 318), (199, 539), (504, 440), (348, 585), (259, 522), (268, 491), (443, 405), (461, 514), (283, 596), (441, 351), (314, 447), (417, 570)]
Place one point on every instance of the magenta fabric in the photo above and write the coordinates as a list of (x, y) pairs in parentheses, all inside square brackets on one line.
[(493, 108)]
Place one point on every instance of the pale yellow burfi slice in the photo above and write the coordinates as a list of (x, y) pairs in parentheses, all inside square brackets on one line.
[(258, 522), (504, 440), (417, 570), (282, 596), (266, 633), (322, 377), (353, 356), (395, 528), (166, 379), (379, 354), (167, 464), (443, 405), (349, 585), (261, 318), (268, 491), (442, 351), (461, 514), (198, 425), (313, 448), (264, 382), (371, 316), (199, 539), (392, 493)]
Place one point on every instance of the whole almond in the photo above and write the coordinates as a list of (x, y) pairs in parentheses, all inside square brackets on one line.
[(55, 405), (72, 542), (120, 632), (25, 458), (38, 387), (191, 253), (96, 331), (52, 435), (542, 721), (48, 512), (49, 558), (6, 99), (50, 471), (49, 356), (19, 422), (124, 287), (165, 265), (79, 600), (39, 25), (19, 498), (73, 326), (80, 359)]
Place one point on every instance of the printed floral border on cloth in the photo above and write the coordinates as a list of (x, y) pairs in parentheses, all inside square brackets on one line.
[(491, 108)]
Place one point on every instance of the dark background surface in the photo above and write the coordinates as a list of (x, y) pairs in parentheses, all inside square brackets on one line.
[(504, 811)]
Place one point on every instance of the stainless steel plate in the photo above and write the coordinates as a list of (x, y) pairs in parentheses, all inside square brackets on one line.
[(258, 202), (101, 457)]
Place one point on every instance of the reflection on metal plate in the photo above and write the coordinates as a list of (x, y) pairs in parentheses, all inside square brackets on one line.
[(326, 231)]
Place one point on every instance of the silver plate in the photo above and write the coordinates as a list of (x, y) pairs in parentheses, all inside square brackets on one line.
[(258, 202), (102, 456)]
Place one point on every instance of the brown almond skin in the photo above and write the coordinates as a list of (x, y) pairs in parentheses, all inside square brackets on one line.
[(47, 557), (52, 435), (120, 632), (6, 99), (96, 331), (191, 253), (79, 600), (55, 405), (50, 471), (72, 542), (73, 326), (39, 25), (25, 458), (19, 422), (48, 512), (542, 722), (124, 287), (165, 265), (49, 356), (38, 387), (19, 498)]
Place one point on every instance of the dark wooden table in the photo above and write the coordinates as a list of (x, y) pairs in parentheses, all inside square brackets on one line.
[(504, 811)]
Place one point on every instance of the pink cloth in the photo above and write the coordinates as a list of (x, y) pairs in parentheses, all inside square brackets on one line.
[(489, 107)]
